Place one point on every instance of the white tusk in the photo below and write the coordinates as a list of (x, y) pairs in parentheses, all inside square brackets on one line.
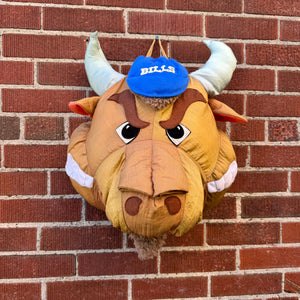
[(218, 70), (73, 170), (224, 182), (100, 74)]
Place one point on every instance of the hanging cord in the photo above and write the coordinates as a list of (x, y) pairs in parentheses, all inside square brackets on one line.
[(162, 51)]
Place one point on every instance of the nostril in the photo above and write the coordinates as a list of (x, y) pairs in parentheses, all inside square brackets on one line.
[(132, 205), (173, 205)]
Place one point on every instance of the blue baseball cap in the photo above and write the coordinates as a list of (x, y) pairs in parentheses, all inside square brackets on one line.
[(157, 77)]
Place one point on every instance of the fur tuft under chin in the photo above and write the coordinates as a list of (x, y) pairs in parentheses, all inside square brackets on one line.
[(147, 248)]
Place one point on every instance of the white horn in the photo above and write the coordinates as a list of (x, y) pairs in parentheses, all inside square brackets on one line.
[(217, 71), (99, 72)]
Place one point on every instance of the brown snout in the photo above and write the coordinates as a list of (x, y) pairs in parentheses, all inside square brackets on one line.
[(153, 185)]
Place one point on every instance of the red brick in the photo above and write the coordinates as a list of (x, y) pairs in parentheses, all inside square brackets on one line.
[(122, 49), (78, 238), (75, 122), (17, 100), (241, 153), (70, 19), (61, 184), (273, 106), (20, 291), (40, 210), (96, 264), (9, 128), (270, 207), (23, 183), (291, 232), (197, 261), (256, 182), (16, 72), (88, 290), (35, 156), (20, 17), (226, 209), (252, 79), (262, 258), (12, 239), (292, 283), (166, 288), (232, 285), (51, 1), (235, 101), (44, 128), (275, 156), (198, 5), (241, 28), (243, 234), (295, 178), (271, 7), (42, 46), (34, 266), (155, 4), (194, 237), (185, 51), (62, 74), (283, 131), (94, 214), (274, 55), (165, 23), (288, 81), (290, 31), (254, 130)]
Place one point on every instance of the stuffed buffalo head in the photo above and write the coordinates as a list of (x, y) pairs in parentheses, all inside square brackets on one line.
[(152, 156)]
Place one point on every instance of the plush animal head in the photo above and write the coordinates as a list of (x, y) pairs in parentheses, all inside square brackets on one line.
[(153, 163)]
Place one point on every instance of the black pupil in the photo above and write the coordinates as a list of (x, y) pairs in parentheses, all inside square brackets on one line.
[(176, 133), (130, 132)]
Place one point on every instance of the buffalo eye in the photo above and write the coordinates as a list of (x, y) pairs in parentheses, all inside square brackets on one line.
[(127, 132), (177, 134)]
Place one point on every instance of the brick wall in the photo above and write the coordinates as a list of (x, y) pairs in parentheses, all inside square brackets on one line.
[(55, 246)]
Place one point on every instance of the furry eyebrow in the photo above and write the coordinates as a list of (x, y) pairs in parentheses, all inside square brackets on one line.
[(180, 106), (127, 100)]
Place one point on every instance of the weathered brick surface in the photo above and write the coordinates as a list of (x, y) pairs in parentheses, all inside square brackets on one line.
[(25, 45), (44, 128), (16, 72), (270, 207), (38, 100), (295, 177), (243, 234), (34, 266), (288, 81), (197, 261), (161, 23), (73, 238), (9, 128), (69, 19), (290, 31), (166, 288), (20, 17), (261, 258), (271, 7), (155, 4), (35, 156), (87, 289), (226, 209), (20, 291), (12, 239), (246, 284), (221, 6), (40, 210), (291, 232), (283, 131), (251, 131), (93, 264), (241, 28)]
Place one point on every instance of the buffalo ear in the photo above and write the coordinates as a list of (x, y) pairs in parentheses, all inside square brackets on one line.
[(84, 106), (222, 112)]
